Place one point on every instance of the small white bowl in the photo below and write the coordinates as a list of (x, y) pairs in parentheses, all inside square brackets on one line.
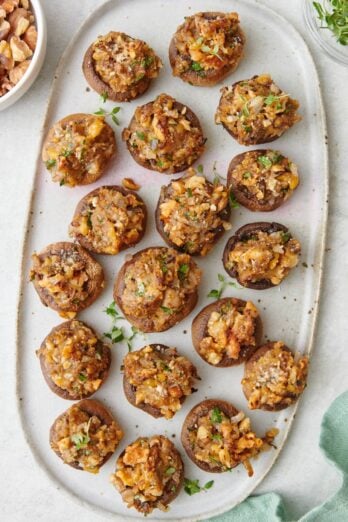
[(36, 62)]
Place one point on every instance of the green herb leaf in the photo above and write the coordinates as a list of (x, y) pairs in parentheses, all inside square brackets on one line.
[(140, 292), (62, 182), (265, 161), (335, 18), (115, 119), (200, 169), (191, 486), (50, 164), (140, 135), (214, 293), (271, 98), (100, 112), (208, 485), (115, 110), (80, 440), (189, 192), (285, 236), (183, 271), (170, 471), (217, 436), (216, 415), (104, 96), (233, 202), (112, 311), (167, 310), (82, 377), (148, 60), (116, 335), (221, 278), (195, 66), (247, 175)]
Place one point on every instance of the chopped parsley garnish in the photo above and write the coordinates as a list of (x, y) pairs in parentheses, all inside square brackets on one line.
[(189, 192), (170, 471), (80, 440), (200, 169), (247, 175), (271, 98), (147, 61), (116, 334), (183, 271), (104, 96), (233, 202), (335, 18), (195, 66), (216, 415), (163, 265), (265, 161), (50, 164), (192, 487), (140, 135), (112, 311), (285, 236), (167, 310), (140, 292), (160, 163), (66, 153), (82, 377), (217, 436), (217, 293)]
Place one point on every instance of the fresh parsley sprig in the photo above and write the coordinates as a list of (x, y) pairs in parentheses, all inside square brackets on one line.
[(216, 293), (117, 334), (192, 487), (103, 112)]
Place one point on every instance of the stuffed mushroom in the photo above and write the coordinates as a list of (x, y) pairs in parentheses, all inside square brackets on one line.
[(157, 379), (85, 436), (78, 148), (66, 278), (256, 110), (227, 332), (74, 361), (108, 220), (217, 437), (149, 474), (262, 180), (164, 135), (207, 47), (120, 67), (274, 377), (156, 288), (261, 255), (192, 213)]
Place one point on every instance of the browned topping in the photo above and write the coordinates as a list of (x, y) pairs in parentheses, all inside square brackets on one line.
[(84, 440), (208, 41), (222, 442), (75, 359), (277, 378), (165, 135), (130, 184), (122, 61), (194, 212), (160, 378), (78, 148), (229, 328), (264, 256), (148, 474), (18, 38), (65, 277), (264, 177), (109, 220), (158, 283), (256, 110)]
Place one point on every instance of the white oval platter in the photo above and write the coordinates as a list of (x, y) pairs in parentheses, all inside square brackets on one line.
[(289, 311)]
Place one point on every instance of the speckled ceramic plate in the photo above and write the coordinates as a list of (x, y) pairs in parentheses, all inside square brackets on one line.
[(288, 311)]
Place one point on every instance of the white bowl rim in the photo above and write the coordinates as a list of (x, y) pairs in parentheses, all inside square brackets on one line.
[(40, 23)]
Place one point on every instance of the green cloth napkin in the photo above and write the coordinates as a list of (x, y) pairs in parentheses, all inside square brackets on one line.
[(334, 444)]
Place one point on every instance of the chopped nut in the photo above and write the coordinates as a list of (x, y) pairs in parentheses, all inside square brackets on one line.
[(129, 183), (18, 72), (22, 26), (9, 5), (25, 4), (20, 50), (6, 58), (30, 37), (4, 29)]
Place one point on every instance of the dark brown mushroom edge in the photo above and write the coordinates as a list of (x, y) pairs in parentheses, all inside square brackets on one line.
[(192, 213), (261, 255), (109, 219), (157, 379), (74, 361), (78, 148), (274, 377), (256, 110), (227, 332), (120, 67), (206, 48), (164, 135), (262, 180), (85, 436), (66, 278), (156, 288), (149, 474), (217, 437)]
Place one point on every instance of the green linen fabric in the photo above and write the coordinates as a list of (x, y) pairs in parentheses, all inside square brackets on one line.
[(334, 445)]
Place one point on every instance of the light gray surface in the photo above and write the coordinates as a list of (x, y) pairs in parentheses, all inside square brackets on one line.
[(301, 475)]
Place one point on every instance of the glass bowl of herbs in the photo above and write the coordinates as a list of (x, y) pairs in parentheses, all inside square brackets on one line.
[(327, 21)]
